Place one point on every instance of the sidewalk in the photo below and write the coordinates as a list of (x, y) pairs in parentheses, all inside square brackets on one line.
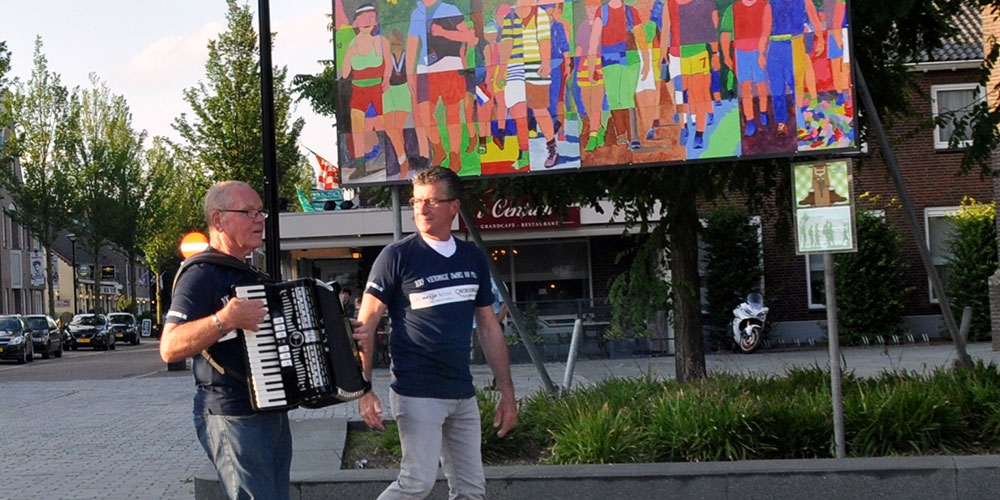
[(134, 439)]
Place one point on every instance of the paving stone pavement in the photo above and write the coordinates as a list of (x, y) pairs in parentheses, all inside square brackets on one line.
[(133, 439)]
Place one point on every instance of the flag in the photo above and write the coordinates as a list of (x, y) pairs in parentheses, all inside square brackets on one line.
[(328, 173)]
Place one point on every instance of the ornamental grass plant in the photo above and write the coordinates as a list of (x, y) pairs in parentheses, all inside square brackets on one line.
[(743, 417)]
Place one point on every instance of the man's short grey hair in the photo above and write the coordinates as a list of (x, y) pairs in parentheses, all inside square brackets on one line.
[(432, 175), (220, 197)]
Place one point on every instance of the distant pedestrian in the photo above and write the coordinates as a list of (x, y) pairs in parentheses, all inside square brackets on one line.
[(348, 303)]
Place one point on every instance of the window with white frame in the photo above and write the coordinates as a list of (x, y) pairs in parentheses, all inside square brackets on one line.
[(816, 272), (816, 285), (939, 229), (958, 99)]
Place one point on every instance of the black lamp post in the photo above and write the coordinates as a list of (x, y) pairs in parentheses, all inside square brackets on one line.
[(72, 241)]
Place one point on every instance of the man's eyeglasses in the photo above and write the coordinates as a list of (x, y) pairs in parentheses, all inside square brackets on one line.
[(251, 214), (430, 202)]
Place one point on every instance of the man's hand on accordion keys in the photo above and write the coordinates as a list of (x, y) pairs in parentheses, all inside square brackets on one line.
[(245, 314)]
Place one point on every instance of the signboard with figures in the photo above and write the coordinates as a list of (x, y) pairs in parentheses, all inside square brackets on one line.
[(515, 87), (823, 207)]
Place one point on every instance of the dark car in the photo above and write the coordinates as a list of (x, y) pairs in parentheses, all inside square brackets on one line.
[(124, 326), (45, 334), (91, 330), (15, 341)]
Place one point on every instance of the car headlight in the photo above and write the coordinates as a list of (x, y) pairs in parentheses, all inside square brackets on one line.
[(16, 341)]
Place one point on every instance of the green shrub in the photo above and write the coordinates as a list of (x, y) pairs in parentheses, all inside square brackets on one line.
[(973, 246), (638, 294), (733, 267), (870, 299), (903, 416), (733, 417)]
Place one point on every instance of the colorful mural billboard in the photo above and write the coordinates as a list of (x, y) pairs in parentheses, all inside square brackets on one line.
[(506, 87)]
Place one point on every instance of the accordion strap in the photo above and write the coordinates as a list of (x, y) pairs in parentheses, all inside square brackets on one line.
[(214, 257)]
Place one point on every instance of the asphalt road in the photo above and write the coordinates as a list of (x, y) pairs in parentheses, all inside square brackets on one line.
[(126, 361)]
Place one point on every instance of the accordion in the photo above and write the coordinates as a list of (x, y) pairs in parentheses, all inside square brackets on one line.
[(303, 354)]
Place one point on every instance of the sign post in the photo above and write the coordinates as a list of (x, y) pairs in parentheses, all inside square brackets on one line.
[(824, 224)]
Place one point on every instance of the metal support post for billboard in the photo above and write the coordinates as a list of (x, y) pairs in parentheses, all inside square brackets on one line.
[(272, 245), (515, 312), (833, 336), (911, 218), (397, 214)]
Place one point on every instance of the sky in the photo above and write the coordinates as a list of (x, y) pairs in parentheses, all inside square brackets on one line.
[(150, 51)]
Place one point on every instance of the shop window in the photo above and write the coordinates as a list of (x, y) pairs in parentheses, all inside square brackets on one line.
[(958, 99), (939, 228), (554, 276)]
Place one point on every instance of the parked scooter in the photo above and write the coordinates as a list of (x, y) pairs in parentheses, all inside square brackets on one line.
[(748, 323)]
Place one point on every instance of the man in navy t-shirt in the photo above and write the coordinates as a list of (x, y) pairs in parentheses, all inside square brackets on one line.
[(433, 285), (252, 451)]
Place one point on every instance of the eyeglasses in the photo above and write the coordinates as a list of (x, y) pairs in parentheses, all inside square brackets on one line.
[(251, 214), (430, 202)]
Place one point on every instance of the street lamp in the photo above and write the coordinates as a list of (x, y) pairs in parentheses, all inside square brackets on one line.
[(72, 241)]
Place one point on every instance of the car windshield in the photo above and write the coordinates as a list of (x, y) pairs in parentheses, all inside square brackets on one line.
[(88, 320), (37, 323), (120, 319), (10, 324)]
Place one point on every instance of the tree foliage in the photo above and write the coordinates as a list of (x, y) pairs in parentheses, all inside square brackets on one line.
[(733, 266), (36, 115), (973, 245), (224, 135), (869, 299), (104, 156)]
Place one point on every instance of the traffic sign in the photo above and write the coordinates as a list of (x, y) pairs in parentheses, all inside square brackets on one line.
[(193, 243)]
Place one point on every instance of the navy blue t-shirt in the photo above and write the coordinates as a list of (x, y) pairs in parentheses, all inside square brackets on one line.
[(431, 302), (201, 291)]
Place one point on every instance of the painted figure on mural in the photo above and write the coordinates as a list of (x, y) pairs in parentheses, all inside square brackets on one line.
[(746, 50), (561, 62), (590, 80), (789, 69), (514, 88), (365, 66), (537, 41), (437, 38), (397, 103), (486, 86), (699, 48), (647, 91), (615, 36)]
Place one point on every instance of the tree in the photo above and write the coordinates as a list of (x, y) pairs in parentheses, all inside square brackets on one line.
[(104, 153), (225, 134), (36, 114), (173, 205)]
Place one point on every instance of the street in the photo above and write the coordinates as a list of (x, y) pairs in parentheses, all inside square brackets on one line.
[(126, 361)]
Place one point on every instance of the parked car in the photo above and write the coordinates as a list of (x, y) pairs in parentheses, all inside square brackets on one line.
[(91, 330), (125, 328), (45, 335), (15, 341)]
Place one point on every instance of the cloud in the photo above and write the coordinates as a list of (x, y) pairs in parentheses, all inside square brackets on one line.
[(172, 59)]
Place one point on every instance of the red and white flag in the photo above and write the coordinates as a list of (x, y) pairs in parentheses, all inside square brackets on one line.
[(328, 174)]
